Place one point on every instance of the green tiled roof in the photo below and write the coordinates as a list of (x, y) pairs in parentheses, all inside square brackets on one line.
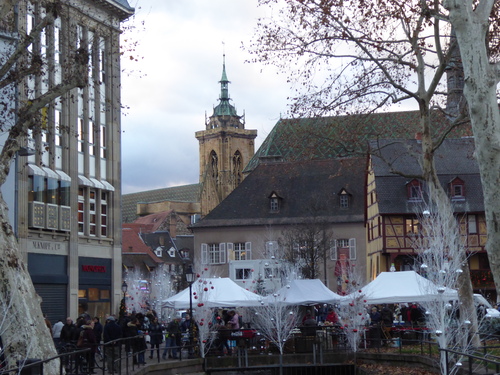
[(339, 136), (184, 193)]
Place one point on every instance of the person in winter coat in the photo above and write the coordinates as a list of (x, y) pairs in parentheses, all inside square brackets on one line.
[(56, 332), (69, 332), (112, 331), (172, 339), (332, 317), (89, 341), (156, 334), (138, 342)]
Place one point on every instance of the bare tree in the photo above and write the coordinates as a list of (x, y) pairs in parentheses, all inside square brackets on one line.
[(276, 320), (353, 310), (364, 56), (308, 246), (441, 250)]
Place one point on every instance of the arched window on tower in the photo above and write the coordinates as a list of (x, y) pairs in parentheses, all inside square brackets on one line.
[(237, 167), (214, 166)]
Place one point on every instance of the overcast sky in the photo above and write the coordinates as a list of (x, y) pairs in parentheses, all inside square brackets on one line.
[(175, 82)]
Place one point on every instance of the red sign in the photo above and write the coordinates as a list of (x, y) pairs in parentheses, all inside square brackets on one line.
[(89, 268)]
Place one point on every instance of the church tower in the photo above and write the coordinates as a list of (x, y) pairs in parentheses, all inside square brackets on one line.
[(225, 149)]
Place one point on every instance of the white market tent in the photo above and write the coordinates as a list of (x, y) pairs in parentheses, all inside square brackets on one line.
[(402, 287), (214, 292), (304, 292)]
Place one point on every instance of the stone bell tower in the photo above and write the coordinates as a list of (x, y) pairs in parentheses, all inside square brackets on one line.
[(225, 149)]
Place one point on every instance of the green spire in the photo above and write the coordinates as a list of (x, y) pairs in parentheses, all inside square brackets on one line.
[(224, 108)]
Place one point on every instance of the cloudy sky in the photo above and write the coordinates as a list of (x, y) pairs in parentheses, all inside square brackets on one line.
[(175, 82)]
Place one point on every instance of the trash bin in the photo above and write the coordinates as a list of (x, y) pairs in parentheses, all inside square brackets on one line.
[(31, 370)]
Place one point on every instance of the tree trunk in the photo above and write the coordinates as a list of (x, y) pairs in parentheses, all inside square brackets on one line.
[(24, 332), (481, 79)]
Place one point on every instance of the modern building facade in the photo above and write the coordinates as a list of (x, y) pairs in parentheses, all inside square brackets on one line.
[(66, 199)]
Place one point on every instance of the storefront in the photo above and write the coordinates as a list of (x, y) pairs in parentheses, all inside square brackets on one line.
[(94, 294), (49, 276)]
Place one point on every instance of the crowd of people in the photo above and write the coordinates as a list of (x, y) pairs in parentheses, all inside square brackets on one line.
[(141, 330)]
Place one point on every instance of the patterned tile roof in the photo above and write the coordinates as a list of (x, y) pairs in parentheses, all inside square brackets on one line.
[(328, 137), (184, 193), (308, 191), (454, 158)]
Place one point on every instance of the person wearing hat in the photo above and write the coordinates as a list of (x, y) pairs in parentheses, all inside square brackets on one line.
[(112, 331)]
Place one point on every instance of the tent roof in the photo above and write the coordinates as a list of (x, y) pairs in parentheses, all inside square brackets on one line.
[(402, 287), (304, 292), (221, 292)]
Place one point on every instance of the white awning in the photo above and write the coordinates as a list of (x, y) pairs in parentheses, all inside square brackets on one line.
[(63, 176), (97, 183), (107, 185), (34, 170), (82, 180), (50, 173)]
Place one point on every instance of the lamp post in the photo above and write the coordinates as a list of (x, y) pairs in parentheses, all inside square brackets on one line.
[(190, 278), (124, 288)]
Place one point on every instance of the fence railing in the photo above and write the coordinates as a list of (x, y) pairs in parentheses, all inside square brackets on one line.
[(121, 356)]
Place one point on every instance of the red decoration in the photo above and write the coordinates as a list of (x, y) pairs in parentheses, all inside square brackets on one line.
[(206, 269), (201, 323), (347, 281), (211, 287), (205, 289)]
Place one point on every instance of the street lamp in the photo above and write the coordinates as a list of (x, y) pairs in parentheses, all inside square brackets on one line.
[(190, 278), (124, 288)]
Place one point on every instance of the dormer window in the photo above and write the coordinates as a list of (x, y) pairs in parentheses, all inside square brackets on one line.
[(274, 202), (414, 190), (344, 199), (457, 189)]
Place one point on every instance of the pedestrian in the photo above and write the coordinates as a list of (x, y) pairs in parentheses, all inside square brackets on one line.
[(172, 339), (88, 340), (111, 332), (56, 332), (138, 343), (69, 332), (156, 336)]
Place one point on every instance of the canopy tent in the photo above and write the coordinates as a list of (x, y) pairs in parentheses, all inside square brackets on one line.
[(402, 287), (214, 292), (304, 292)]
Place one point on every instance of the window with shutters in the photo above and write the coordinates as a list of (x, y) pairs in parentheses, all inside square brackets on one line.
[(213, 253), (343, 248), (241, 250)]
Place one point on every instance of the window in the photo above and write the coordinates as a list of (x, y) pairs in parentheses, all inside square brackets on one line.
[(344, 199), (104, 214), (270, 272), (343, 248), (241, 250), (471, 224), (457, 189), (243, 273), (213, 253), (81, 211), (414, 190), (93, 213), (274, 202), (411, 226)]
